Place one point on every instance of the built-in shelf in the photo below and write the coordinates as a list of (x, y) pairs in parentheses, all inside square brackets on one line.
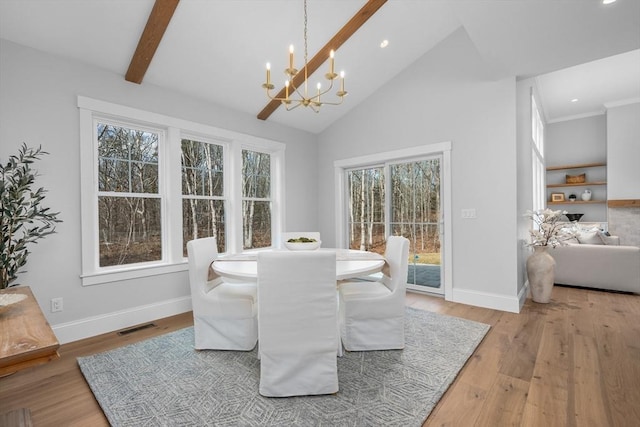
[(628, 203), (598, 182), (576, 166), (577, 202), (580, 184)]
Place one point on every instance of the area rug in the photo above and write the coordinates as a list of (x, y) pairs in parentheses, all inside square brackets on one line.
[(163, 381)]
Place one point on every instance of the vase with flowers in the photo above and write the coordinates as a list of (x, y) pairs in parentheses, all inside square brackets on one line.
[(548, 231)]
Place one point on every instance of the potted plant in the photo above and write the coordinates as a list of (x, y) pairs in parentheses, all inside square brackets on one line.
[(548, 231), (24, 220)]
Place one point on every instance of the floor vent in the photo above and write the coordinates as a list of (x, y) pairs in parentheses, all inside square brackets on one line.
[(136, 329)]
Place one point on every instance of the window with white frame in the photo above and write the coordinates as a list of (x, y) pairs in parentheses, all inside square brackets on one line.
[(256, 199), (537, 157), (129, 196), (150, 183), (203, 197)]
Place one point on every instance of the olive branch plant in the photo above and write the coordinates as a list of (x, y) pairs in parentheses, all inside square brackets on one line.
[(23, 218)]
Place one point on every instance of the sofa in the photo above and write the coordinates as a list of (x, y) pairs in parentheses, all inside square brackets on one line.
[(598, 265)]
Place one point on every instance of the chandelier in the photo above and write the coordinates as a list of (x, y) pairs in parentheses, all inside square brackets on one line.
[(294, 95)]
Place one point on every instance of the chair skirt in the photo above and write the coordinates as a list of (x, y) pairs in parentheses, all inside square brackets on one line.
[(225, 334), (310, 374), (372, 334)]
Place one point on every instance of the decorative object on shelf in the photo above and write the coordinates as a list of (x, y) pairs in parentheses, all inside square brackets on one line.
[(297, 96), (574, 216), (548, 231), (572, 197), (576, 179), (557, 197), (586, 195), (24, 220)]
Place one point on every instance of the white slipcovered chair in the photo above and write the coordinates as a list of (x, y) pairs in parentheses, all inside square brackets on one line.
[(372, 313), (224, 314), (297, 318)]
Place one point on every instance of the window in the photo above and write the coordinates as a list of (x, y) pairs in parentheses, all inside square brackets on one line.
[(537, 157), (129, 200), (415, 213), (256, 199), (366, 214), (150, 183), (202, 193)]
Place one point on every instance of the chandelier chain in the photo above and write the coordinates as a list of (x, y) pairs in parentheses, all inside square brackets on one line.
[(305, 32)]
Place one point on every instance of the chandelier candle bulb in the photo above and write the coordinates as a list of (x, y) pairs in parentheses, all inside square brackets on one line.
[(291, 57), (286, 87), (268, 73), (342, 92), (331, 55)]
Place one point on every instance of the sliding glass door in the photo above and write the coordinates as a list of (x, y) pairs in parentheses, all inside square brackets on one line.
[(400, 198)]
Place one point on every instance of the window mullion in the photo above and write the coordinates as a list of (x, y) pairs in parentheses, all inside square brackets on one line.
[(234, 203)]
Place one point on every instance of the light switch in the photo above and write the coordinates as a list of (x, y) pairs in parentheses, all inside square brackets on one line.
[(468, 213)]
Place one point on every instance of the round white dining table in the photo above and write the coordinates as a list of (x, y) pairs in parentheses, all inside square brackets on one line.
[(349, 263)]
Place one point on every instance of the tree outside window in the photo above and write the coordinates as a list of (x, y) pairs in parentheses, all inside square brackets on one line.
[(129, 202), (256, 199), (203, 202)]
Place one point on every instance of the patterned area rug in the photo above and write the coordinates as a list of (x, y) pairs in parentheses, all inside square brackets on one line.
[(163, 381)]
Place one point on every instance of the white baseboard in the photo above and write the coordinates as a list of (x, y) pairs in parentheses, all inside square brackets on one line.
[(96, 325), (487, 300), (524, 293)]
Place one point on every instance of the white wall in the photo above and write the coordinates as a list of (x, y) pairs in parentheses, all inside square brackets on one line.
[(577, 141), (38, 106), (623, 173), (444, 97), (623, 152)]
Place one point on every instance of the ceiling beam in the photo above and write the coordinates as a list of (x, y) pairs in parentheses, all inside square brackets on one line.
[(338, 39), (157, 23)]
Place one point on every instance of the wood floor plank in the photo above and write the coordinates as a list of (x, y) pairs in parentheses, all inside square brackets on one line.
[(619, 365), (505, 402), (547, 399), (590, 402), (459, 409), (520, 361)]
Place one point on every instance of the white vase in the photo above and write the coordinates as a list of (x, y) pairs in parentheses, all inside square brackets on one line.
[(540, 271), (586, 196)]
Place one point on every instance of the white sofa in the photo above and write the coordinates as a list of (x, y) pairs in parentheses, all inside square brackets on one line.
[(598, 266)]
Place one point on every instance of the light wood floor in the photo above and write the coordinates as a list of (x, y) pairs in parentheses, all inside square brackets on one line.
[(573, 362)]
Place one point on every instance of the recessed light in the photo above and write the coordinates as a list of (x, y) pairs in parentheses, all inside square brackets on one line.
[(574, 100), (384, 43), (608, 1)]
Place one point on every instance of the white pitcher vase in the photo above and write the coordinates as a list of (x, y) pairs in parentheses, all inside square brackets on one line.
[(540, 271)]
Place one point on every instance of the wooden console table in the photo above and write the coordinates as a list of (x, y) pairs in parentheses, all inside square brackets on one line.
[(26, 339)]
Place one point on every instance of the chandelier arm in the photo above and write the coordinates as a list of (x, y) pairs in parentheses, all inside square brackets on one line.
[(366, 12), (288, 107)]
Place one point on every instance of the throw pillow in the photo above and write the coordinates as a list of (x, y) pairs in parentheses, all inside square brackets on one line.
[(590, 238), (608, 239)]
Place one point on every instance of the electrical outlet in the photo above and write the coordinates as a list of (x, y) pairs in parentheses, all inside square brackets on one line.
[(56, 304)]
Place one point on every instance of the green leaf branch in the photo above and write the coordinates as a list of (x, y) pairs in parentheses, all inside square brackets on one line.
[(24, 220)]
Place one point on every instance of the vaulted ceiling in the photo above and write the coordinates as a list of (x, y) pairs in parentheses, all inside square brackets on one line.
[(217, 49)]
